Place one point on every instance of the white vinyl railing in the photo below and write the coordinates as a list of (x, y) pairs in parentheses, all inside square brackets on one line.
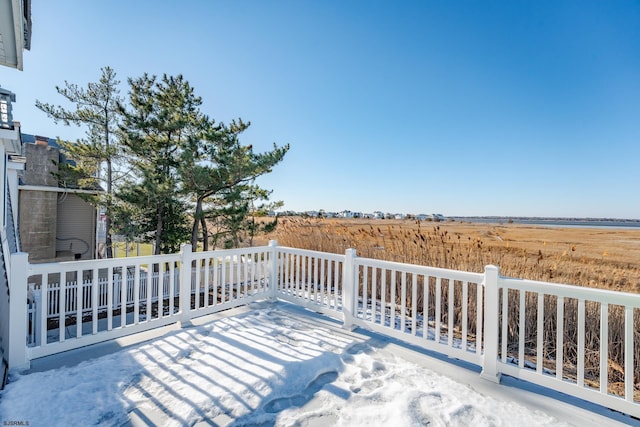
[(122, 296), (434, 308), (531, 330), (311, 279), (561, 352)]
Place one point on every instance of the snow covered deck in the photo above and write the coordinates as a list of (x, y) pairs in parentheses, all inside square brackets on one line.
[(276, 364)]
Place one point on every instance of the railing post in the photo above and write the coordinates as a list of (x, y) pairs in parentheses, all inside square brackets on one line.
[(348, 288), (186, 258), (273, 270), (18, 328), (491, 316)]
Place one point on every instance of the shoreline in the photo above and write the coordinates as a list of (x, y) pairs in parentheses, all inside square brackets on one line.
[(627, 224)]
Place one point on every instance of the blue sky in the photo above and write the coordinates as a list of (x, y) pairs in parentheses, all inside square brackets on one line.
[(514, 108)]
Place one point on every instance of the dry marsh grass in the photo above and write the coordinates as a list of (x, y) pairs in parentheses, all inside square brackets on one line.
[(599, 258)]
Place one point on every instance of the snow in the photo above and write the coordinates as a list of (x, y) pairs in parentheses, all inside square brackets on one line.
[(266, 366)]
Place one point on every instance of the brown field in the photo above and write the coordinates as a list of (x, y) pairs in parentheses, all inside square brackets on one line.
[(595, 257), (601, 258)]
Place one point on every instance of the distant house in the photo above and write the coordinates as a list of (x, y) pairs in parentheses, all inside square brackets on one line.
[(56, 223), (378, 215), (422, 217), (346, 214)]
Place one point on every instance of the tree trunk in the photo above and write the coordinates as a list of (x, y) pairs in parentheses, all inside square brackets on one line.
[(159, 226), (205, 234), (196, 223)]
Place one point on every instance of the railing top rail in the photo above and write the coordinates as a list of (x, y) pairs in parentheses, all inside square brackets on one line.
[(67, 266), (308, 252), (221, 253), (572, 291), (464, 276)]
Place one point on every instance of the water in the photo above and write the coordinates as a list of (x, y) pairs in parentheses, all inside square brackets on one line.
[(631, 224)]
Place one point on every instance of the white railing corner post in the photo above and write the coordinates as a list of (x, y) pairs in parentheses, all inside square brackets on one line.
[(273, 270), (18, 358), (491, 321), (186, 259), (349, 284)]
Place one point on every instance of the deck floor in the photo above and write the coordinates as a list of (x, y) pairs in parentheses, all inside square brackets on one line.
[(276, 363)]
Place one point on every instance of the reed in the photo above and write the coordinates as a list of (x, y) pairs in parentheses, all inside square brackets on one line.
[(440, 245)]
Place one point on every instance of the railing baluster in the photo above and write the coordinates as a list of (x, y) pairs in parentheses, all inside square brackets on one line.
[(414, 303), (44, 310), (465, 303), (560, 338), (149, 290), (161, 268), (124, 282), (438, 304), (110, 297), (174, 289), (136, 294), (383, 296), (79, 289), (238, 277), (521, 328), (450, 315), (315, 280), (425, 307), (392, 299), (216, 279), (289, 274), (580, 363), (403, 301), (223, 278), (62, 327), (297, 268), (365, 284), (323, 283), (310, 291), (196, 284), (374, 293), (245, 265), (207, 275), (604, 347), (337, 294), (540, 334), (480, 316), (628, 354), (331, 295), (505, 323)]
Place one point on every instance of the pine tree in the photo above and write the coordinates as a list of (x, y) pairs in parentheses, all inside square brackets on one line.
[(98, 158), (163, 127), (220, 173)]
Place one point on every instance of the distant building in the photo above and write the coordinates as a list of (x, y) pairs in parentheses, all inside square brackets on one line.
[(55, 223)]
